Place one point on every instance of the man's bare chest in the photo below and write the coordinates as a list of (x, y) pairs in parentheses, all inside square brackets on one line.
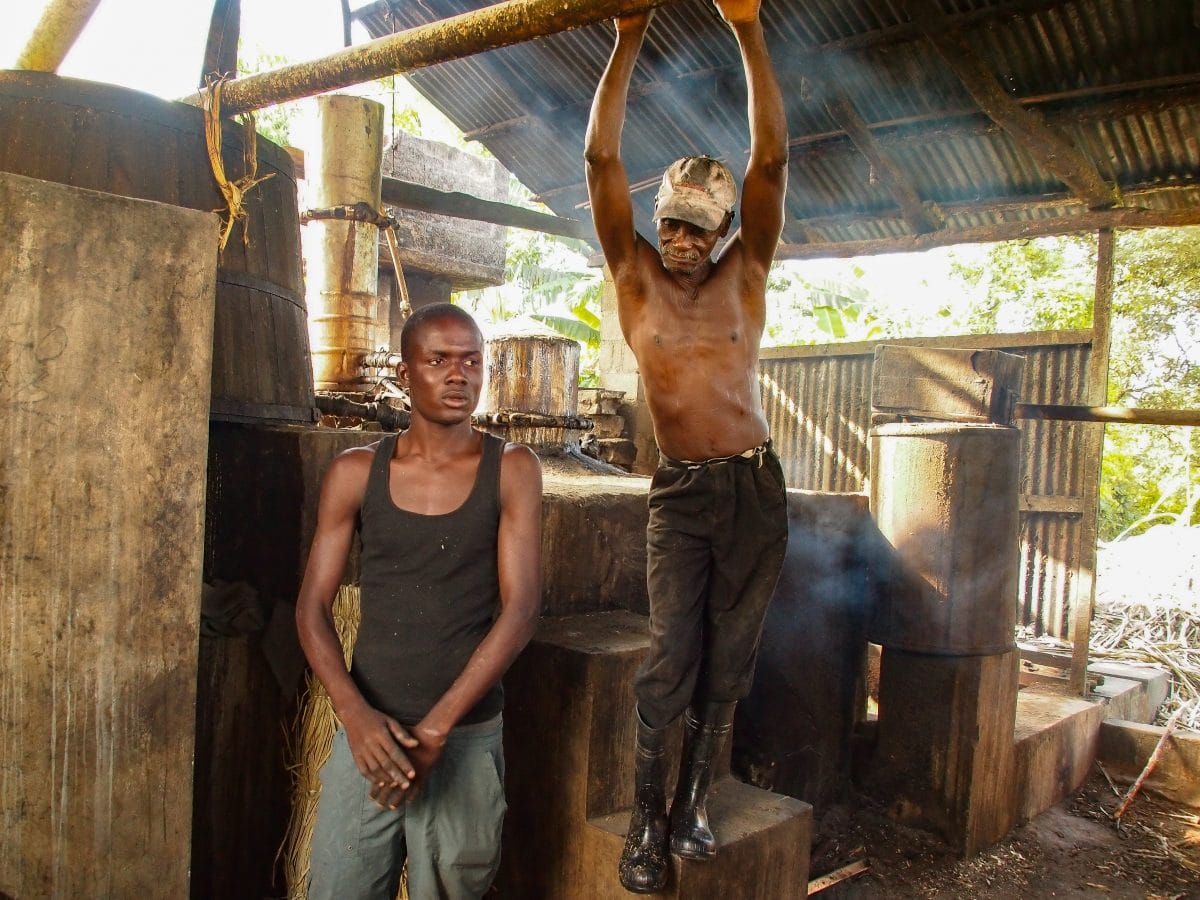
[(682, 334)]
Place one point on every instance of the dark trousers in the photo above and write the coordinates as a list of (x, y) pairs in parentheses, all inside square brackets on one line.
[(715, 546)]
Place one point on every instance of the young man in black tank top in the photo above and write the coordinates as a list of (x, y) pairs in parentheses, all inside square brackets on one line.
[(450, 524)]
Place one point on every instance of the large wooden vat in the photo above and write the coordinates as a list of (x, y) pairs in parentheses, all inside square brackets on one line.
[(124, 142)]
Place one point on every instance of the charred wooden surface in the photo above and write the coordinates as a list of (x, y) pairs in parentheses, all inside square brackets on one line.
[(101, 528)]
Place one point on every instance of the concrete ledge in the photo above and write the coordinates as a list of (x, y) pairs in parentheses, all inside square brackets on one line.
[(1131, 692), (1124, 748), (593, 543), (1055, 745)]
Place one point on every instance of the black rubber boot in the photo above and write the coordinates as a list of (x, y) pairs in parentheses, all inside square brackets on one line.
[(643, 866), (703, 737)]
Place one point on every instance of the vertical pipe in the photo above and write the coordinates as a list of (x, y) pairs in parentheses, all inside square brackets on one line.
[(1096, 394), (56, 32), (342, 167)]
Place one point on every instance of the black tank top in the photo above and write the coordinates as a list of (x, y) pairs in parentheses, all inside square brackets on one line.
[(430, 590)]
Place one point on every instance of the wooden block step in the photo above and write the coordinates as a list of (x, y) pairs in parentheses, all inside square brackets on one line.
[(561, 768), (569, 737), (763, 842)]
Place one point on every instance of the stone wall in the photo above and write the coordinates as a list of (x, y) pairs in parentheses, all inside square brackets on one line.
[(460, 252), (619, 372)]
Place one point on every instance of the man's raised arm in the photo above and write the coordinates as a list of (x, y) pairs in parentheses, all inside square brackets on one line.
[(608, 185), (766, 173)]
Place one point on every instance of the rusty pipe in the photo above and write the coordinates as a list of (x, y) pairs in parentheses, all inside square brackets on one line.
[(55, 34), (500, 25), (1120, 415)]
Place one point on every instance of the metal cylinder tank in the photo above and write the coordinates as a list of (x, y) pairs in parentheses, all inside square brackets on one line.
[(945, 499), (121, 141), (531, 369), (343, 166)]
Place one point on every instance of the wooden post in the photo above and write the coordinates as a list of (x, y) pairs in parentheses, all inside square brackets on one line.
[(220, 53), (1096, 393), (944, 759), (501, 25), (56, 32)]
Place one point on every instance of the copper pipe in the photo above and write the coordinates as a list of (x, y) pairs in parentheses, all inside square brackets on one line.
[(55, 34), (500, 25)]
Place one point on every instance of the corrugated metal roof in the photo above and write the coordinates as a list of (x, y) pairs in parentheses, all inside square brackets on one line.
[(1120, 79)]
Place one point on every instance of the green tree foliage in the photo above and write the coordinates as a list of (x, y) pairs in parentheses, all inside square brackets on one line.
[(546, 278), (1148, 473), (806, 310), (1032, 285)]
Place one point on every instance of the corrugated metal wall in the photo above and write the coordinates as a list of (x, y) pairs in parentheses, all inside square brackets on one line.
[(818, 401)]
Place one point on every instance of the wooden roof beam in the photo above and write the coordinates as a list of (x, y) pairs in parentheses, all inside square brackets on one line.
[(1132, 196), (1051, 150), (409, 195), (1060, 108), (1122, 217), (921, 218)]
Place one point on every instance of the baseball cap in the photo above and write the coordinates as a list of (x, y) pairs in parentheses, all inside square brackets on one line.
[(696, 189)]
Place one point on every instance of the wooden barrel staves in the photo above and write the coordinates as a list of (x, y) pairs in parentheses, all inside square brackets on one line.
[(120, 141)]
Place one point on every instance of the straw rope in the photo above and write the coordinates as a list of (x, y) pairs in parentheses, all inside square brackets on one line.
[(316, 725), (235, 191)]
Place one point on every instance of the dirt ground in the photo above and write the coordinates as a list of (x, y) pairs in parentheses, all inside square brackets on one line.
[(1071, 850)]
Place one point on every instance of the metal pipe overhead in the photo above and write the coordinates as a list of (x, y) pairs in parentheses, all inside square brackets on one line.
[(500, 25), (1120, 415), (55, 34), (422, 198)]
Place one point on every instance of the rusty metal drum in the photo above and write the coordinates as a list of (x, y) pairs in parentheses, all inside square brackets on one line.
[(944, 497), (121, 141), (531, 369)]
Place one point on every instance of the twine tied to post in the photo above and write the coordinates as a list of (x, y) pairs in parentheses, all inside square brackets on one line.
[(235, 191)]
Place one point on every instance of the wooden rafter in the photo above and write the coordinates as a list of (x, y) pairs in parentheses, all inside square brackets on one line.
[(1134, 196), (1060, 109), (1121, 217), (1052, 151), (921, 218), (410, 195)]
